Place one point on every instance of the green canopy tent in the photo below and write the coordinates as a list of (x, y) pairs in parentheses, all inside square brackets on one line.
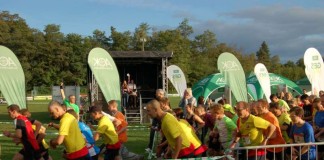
[(304, 84), (213, 84), (275, 80)]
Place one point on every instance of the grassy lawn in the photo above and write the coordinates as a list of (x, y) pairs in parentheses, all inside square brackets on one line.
[(174, 101)]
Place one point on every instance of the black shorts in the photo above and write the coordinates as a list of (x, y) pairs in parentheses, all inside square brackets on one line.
[(30, 154), (277, 156), (110, 154), (214, 145), (45, 154)]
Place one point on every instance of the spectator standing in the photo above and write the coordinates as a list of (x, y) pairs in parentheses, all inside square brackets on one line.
[(187, 99), (125, 92)]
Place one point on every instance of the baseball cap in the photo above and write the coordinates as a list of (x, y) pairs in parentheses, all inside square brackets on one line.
[(228, 108)]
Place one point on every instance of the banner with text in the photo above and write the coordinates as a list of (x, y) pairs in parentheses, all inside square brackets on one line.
[(177, 78), (106, 74), (234, 75), (314, 69), (12, 78), (262, 75)]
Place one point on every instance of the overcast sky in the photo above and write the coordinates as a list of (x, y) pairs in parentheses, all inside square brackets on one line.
[(289, 27)]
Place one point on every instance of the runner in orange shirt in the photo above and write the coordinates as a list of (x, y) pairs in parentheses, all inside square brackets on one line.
[(122, 131), (276, 137)]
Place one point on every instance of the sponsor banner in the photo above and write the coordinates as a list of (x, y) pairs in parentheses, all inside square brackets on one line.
[(12, 78), (314, 69), (234, 75), (177, 78), (262, 75), (106, 74)]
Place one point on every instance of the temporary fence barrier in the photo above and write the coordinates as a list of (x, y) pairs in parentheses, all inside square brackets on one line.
[(242, 152)]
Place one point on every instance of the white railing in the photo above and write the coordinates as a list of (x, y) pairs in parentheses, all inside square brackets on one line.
[(285, 146)]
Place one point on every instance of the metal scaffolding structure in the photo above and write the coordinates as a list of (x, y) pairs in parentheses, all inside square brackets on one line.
[(94, 89), (164, 75), (149, 72)]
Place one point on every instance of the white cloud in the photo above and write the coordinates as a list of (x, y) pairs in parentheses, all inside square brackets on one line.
[(287, 31)]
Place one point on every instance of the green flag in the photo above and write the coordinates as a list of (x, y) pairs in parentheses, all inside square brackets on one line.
[(234, 75), (106, 74), (12, 78)]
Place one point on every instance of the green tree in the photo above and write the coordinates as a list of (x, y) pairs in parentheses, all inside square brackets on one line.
[(275, 66), (300, 63), (248, 62), (120, 41), (101, 39), (54, 53), (184, 28), (76, 66), (141, 37), (263, 54), (204, 42), (172, 40)]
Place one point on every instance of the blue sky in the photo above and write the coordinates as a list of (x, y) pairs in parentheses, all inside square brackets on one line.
[(288, 26)]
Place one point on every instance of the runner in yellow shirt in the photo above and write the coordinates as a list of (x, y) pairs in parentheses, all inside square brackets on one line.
[(69, 133), (107, 130), (176, 138), (190, 132), (250, 130)]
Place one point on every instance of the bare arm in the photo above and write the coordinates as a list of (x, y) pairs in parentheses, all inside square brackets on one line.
[(57, 141), (62, 91), (309, 118), (122, 130), (17, 134), (198, 120), (38, 127), (96, 136), (56, 126), (40, 137), (177, 147), (236, 139), (271, 128), (283, 127)]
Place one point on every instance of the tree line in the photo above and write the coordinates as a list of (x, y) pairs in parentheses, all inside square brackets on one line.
[(48, 56)]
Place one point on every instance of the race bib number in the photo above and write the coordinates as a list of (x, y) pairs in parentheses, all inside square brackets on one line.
[(246, 139), (299, 138)]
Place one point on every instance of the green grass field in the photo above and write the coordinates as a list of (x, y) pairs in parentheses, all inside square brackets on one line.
[(138, 137)]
